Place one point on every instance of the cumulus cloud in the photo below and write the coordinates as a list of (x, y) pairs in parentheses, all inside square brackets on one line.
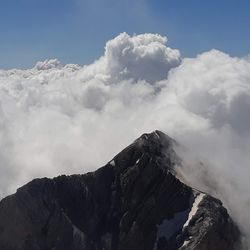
[(57, 119), (48, 64), (215, 86), (142, 57)]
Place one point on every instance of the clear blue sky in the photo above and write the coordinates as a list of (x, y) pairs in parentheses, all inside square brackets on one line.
[(75, 31)]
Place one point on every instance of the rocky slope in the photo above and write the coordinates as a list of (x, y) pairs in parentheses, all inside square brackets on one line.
[(135, 202)]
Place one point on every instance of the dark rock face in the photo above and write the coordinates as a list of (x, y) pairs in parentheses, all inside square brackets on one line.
[(135, 202)]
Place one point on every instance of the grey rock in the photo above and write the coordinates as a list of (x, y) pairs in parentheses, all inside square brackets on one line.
[(135, 202)]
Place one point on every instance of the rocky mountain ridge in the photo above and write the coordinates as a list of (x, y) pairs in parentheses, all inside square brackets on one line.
[(134, 202)]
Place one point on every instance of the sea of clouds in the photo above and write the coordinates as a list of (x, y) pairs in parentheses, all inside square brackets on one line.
[(64, 119)]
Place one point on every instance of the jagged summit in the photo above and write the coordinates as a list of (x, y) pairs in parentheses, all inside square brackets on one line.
[(134, 202), (156, 146)]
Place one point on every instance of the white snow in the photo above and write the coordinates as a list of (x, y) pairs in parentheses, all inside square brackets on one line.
[(180, 220), (185, 243), (112, 163), (169, 227), (194, 208), (157, 134)]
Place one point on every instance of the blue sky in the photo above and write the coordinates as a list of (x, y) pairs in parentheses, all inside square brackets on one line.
[(75, 31)]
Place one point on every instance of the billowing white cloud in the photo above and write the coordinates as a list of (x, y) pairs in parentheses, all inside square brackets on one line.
[(216, 87), (142, 57), (57, 119), (48, 64)]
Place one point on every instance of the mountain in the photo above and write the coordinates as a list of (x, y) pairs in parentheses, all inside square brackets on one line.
[(135, 202)]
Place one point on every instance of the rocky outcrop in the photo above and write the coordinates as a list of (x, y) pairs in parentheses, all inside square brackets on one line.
[(135, 202)]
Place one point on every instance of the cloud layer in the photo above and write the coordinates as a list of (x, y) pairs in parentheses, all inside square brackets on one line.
[(57, 119)]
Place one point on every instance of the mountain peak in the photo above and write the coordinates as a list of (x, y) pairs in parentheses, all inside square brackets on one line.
[(134, 202)]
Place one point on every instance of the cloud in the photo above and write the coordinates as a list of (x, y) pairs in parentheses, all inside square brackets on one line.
[(213, 92), (48, 64), (57, 119), (140, 57), (216, 87)]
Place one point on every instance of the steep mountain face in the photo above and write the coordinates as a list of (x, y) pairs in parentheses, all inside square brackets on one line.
[(135, 202)]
